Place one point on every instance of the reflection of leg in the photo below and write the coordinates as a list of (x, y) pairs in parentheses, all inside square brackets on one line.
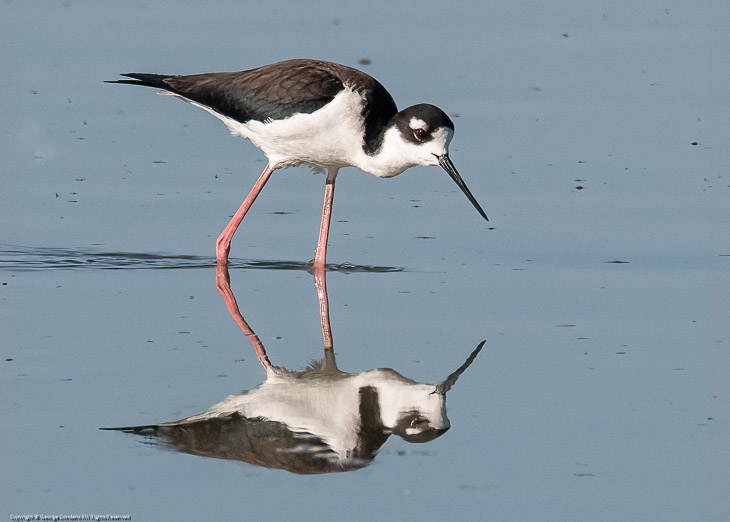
[(223, 244), (223, 282), (320, 256), (320, 282)]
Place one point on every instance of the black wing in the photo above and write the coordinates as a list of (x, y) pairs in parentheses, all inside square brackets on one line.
[(278, 91), (273, 91)]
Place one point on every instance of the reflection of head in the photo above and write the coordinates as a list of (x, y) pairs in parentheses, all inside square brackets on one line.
[(414, 427)]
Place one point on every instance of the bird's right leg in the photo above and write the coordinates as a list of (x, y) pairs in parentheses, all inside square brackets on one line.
[(223, 244)]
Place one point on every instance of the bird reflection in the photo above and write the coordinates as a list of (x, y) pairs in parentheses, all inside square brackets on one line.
[(319, 420)]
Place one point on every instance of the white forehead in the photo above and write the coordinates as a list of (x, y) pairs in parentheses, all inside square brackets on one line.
[(417, 123), (440, 135)]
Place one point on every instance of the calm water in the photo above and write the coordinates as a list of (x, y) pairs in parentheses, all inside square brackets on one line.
[(595, 138)]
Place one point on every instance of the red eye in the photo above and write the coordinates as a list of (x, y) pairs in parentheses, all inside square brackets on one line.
[(420, 134)]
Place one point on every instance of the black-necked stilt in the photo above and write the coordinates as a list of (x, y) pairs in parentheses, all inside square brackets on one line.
[(321, 114)]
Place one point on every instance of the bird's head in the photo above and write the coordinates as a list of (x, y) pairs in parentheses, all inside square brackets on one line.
[(423, 135), (420, 135)]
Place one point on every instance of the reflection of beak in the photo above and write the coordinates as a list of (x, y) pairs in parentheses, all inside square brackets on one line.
[(446, 164), (445, 386)]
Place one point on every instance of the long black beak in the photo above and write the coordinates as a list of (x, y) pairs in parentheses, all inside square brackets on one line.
[(446, 164)]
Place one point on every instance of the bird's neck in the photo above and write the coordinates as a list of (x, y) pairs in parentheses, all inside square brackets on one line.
[(390, 159)]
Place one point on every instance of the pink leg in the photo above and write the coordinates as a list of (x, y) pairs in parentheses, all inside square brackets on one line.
[(320, 283), (223, 244), (223, 282), (320, 256)]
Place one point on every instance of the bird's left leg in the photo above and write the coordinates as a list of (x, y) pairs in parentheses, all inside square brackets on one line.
[(320, 256)]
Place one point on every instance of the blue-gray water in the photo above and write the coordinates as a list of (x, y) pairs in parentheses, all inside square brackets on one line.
[(595, 136)]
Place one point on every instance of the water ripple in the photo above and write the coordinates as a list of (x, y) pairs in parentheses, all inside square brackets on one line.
[(23, 259)]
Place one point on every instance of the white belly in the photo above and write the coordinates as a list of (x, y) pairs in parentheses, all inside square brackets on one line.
[(329, 137)]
